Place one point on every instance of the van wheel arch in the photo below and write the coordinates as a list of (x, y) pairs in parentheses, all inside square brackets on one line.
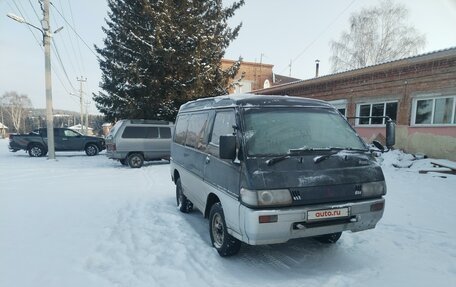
[(211, 200)]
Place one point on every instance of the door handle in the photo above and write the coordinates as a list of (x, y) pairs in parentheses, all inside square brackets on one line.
[(208, 159)]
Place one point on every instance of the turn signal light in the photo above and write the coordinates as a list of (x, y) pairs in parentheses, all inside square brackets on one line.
[(268, 218), (377, 206)]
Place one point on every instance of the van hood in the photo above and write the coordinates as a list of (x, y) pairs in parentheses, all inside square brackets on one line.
[(303, 171)]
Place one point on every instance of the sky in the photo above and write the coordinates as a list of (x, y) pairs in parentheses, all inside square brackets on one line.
[(273, 32)]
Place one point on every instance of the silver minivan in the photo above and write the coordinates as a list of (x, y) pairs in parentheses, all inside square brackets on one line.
[(267, 169), (134, 141)]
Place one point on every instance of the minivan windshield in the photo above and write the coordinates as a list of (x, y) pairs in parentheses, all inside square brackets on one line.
[(276, 131)]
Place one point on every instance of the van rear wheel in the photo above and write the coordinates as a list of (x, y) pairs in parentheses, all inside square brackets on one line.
[(135, 160), (224, 243), (328, 238), (183, 203)]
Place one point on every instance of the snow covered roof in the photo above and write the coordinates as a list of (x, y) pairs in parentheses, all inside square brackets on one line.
[(2, 126), (395, 63), (250, 100)]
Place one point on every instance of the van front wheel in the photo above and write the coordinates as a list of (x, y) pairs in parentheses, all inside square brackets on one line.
[(225, 244), (183, 203)]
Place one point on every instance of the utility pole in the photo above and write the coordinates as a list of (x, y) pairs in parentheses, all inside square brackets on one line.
[(47, 65), (87, 103), (46, 31), (81, 79)]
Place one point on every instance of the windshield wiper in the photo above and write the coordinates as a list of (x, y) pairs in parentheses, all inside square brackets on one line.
[(275, 160), (337, 150), (303, 150), (317, 159)]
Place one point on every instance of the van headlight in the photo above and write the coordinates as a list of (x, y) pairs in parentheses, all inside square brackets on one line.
[(266, 197), (376, 188)]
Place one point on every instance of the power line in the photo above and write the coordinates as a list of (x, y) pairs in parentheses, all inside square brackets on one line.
[(73, 50), (36, 13), (28, 27), (319, 35), (79, 36), (56, 50), (70, 57), (79, 46)]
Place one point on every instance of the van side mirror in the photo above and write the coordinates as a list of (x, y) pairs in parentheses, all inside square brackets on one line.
[(390, 133), (227, 147), (378, 145)]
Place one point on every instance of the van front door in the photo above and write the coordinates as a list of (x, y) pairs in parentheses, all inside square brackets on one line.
[(223, 176)]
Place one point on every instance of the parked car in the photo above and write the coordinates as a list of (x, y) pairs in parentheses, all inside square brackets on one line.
[(35, 142), (134, 141), (267, 169)]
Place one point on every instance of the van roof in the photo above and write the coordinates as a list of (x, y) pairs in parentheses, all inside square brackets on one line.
[(143, 121), (251, 100)]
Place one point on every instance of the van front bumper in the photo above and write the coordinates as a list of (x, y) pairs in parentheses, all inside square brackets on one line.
[(293, 223)]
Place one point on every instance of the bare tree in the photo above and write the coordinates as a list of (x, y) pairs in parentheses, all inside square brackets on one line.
[(378, 34), (16, 107)]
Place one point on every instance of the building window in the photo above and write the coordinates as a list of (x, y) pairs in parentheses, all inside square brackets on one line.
[(373, 113), (243, 87), (340, 105), (434, 111)]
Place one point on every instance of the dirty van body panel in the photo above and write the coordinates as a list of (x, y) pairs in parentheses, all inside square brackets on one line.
[(223, 176), (191, 173), (334, 180)]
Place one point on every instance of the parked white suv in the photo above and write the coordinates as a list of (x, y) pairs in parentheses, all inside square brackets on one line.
[(134, 141)]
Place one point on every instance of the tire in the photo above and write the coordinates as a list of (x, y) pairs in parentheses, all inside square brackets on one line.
[(328, 238), (135, 160), (37, 150), (225, 244), (91, 149), (183, 203), (123, 161)]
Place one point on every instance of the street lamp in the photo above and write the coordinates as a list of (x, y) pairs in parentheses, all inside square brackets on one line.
[(45, 31)]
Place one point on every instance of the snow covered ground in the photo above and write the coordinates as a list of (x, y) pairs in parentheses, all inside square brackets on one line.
[(88, 221)]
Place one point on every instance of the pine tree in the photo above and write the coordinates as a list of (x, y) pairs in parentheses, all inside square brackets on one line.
[(159, 54)]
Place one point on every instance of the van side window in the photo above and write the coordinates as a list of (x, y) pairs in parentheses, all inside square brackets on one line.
[(181, 129), (165, 133), (223, 125), (140, 133), (151, 132), (196, 130)]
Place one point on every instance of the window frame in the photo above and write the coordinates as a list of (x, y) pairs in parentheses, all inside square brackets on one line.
[(340, 104), (433, 98), (358, 111)]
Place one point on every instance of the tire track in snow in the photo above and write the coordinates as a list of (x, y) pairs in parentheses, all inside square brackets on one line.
[(132, 253)]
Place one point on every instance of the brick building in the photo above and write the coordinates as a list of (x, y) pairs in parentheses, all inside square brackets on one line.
[(419, 93), (255, 76)]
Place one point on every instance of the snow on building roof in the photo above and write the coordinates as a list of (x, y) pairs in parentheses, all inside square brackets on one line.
[(2, 126)]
